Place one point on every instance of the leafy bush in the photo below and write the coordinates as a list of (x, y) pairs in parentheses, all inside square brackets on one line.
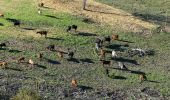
[(26, 94)]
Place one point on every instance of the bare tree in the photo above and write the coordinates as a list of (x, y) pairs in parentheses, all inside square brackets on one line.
[(84, 4)]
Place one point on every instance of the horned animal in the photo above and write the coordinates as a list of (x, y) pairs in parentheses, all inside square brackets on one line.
[(115, 37), (74, 83), (17, 23), (142, 77), (104, 62), (40, 55), (114, 54), (122, 66), (60, 54), (51, 47), (2, 45), (70, 54), (107, 39), (42, 33), (1, 15), (102, 53), (21, 59), (69, 28), (3, 64)]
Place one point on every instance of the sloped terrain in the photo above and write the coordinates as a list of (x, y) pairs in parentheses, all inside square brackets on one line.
[(51, 76), (101, 13)]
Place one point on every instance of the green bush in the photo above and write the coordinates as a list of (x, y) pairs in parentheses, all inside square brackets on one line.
[(26, 94)]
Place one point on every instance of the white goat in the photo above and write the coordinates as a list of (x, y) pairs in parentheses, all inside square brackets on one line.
[(114, 54), (122, 66)]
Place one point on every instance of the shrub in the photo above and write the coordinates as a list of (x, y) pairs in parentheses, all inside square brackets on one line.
[(26, 94)]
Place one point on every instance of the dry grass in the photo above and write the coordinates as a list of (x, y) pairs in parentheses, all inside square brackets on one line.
[(101, 13)]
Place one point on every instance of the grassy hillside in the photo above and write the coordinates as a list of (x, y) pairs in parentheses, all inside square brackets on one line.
[(152, 10), (51, 76)]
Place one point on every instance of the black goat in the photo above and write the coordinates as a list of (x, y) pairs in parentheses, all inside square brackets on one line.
[(104, 62), (2, 45), (69, 28), (51, 47), (107, 39)]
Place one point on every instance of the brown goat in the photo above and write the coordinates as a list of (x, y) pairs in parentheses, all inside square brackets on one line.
[(60, 54), (102, 53), (74, 83), (42, 33), (143, 77), (21, 59), (40, 55), (1, 15), (3, 64), (115, 37)]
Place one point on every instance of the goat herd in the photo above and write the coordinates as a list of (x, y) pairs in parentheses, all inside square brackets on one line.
[(99, 47)]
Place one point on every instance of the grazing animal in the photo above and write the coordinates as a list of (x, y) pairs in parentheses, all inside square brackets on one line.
[(99, 42), (39, 12), (42, 33), (74, 27), (107, 39), (17, 23), (143, 77), (60, 54), (3, 64), (51, 47), (96, 46), (74, 83), (31, 62), (114, 54), (2, 45), (70, 54), (115, 37), (40, 55), (140, 51), (69, 28), (41, 4), (104, 62), (21, 59), (102, 53), (1, 15), (122, 66)]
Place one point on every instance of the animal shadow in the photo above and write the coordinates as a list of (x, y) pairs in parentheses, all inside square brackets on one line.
[(85, 34), (86, 60), (14, 51), (73, 60), (41, 66), (52, 61), (52, 16), (137, 72), (116, 47), (55, 38), (15, 69), (120, 59), (28, 28), (120, 77), (84, 87)]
